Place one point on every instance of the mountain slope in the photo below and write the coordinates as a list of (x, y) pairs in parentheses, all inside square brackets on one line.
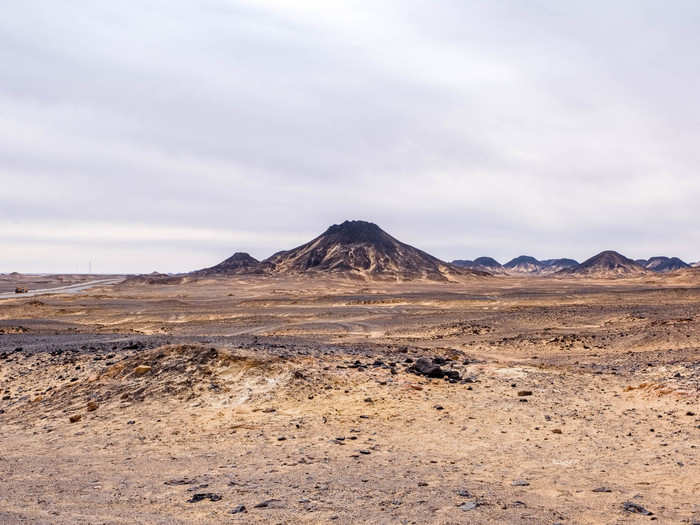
[(363, 249)]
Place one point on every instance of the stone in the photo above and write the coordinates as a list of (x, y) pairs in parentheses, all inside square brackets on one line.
[(602, 489), (556, 431), (267, 503), (75, 418), (523, 393), (201, 496), (92, 406), (468, 505), (520, 483), (424, 367), (238, 509), (141, 370), (636, 509)]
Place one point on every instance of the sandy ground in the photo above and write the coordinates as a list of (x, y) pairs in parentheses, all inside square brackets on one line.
[(295, 399)]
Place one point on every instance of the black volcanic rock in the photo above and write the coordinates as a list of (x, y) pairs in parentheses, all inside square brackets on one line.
[(665, 264), (607, 264), (239, 262), (362, 249)]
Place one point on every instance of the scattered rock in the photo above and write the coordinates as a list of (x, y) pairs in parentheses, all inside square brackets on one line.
[(425, 367), (200, 496), (636, 509), (602, 489), (75, 418), (238, 509), (556, 431), (92, 406), (523, 393), (267, 503), (520, 483), (468, 505)]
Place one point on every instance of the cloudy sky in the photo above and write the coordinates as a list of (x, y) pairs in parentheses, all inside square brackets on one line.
[(167, 134)]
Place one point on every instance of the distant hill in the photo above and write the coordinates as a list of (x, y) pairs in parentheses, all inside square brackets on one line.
[(555, 265), (484, 264), (665, 264), (238, 263), (523, 264), (606, 264), (362, 249)]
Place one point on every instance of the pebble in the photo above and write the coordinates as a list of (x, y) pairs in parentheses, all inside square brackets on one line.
[(75, 418), (204, 495), (636, 509), (239, 509), (142, 369)]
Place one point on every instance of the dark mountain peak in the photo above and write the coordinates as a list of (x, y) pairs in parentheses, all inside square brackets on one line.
[(522, 259), (482, 264), (239, 262), (662, 263), (489, 262), (241, 258), (350, 232), (361, 249), (560, 262), (608, 259), (608, 263)]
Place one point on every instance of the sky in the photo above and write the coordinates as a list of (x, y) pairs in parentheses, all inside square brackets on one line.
[(167, 134)]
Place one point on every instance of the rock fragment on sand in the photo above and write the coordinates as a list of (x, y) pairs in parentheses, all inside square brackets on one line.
[(636, 509), (204, 495), (142, 369), (92, 406), (75, 418)]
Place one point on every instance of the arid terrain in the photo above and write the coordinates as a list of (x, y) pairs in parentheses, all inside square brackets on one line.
[(251, 399)]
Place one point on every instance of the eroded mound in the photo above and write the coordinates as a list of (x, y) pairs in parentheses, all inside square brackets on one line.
[(168, 374)]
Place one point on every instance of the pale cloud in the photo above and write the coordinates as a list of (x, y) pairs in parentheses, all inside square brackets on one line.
[(166, 135)]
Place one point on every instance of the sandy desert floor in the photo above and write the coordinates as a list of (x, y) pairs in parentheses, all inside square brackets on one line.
[(251, 400)]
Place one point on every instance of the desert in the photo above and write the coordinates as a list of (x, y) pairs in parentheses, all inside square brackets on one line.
[(313, 397)]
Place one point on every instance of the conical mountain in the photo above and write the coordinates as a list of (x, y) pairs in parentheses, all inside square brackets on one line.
[(362, 249), (607, 264), (523, 264), (238, 263)]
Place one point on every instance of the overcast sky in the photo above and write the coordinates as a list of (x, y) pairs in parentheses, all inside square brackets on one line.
[(166, 135)]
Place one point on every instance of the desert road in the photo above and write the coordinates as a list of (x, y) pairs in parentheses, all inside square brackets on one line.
[(70, 289)]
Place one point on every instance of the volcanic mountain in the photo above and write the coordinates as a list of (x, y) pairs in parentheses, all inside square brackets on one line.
[(484, 264), (530, 266), (523, 264), (555, 265), (665, 264), (362, 249), (606, 264), (238, 263)]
